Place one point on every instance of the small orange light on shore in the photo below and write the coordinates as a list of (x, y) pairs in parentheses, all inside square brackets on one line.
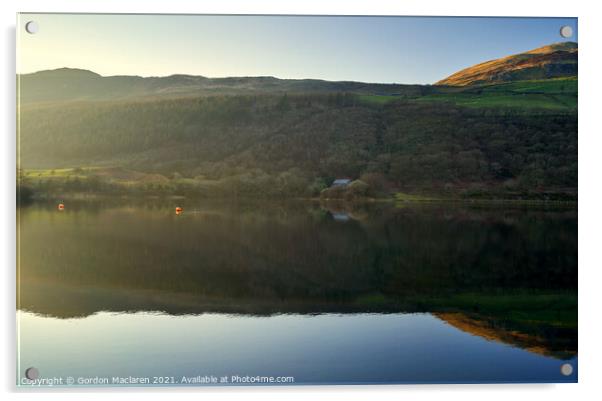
[(179, 210), (61, 206)]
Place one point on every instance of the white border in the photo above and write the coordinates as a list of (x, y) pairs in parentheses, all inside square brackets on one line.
[(590, 197)]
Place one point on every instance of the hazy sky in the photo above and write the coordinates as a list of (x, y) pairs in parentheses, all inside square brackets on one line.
[(370, 49)]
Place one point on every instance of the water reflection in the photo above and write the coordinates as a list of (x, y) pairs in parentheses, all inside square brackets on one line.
[(326, 348), (506, 276)]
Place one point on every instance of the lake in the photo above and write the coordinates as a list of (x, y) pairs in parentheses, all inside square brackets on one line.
[(127, 292)]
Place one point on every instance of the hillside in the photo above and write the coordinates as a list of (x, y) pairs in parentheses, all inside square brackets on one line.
[(288, 145), (552, 61), (264, 136)]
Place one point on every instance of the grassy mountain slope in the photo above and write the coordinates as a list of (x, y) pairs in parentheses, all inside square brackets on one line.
[(552, 61)]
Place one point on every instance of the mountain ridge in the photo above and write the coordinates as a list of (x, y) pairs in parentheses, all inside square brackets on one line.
[(550, 61), (75, 84), (66, 84)]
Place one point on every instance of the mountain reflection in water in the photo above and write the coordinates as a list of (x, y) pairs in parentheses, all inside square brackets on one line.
[(507, 274)]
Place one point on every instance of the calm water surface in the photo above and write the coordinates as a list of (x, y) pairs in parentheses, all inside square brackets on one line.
[(322, 293)]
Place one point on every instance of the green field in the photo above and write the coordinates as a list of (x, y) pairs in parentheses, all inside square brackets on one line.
[(558, 94), (550, 94), (379, 99)]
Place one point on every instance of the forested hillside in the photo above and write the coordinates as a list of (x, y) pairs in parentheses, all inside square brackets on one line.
[(295, 144), (503, 129)]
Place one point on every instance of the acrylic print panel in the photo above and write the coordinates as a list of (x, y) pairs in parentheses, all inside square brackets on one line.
[(286, 200)]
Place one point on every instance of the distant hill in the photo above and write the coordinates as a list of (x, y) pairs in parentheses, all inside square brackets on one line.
[(69, 84), (552, 61)]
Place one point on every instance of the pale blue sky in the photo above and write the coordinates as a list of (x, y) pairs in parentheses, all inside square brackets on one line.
[(369, 49)]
